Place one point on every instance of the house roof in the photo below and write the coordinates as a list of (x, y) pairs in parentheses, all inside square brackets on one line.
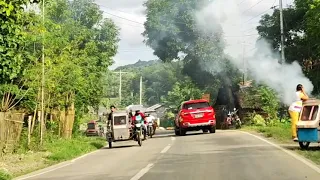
[(138, 107), (154, 107)]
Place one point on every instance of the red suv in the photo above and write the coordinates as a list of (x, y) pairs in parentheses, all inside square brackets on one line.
[(195, 115)]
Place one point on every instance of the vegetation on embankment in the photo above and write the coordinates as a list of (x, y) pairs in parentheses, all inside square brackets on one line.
[(53, 151), (281, 133)]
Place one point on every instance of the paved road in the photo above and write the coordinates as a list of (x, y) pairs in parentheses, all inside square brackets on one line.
[(225, 155)]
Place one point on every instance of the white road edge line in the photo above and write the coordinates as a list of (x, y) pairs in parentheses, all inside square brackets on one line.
[(44, 172), (85, 155), (173, 138), (38, 174), (142, 172), (298, 157), (165, 149)]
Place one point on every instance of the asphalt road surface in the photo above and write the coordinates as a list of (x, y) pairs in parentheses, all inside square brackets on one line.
[(225, 155)]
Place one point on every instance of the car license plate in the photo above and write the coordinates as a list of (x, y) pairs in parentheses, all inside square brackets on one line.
[(198, 115)]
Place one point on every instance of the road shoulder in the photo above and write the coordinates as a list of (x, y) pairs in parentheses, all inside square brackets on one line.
[(54, 167), (308, 157)]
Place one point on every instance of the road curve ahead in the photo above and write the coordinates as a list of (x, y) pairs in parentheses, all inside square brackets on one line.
[(225, 155)]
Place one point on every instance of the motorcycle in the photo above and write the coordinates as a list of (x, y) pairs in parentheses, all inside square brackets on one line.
[(235, 119), (138, 132), (232, 120), (150, 129)]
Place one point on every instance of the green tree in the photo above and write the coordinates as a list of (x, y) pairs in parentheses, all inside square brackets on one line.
[(78, 50), (182, 91), (301, 37), (172, 29), (13, 56)]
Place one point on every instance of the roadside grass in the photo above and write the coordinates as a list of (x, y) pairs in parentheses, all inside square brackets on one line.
[(4, 175), (53, 151), (281, 133)]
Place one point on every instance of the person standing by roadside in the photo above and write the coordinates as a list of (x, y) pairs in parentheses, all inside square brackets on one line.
[(113, 109), (295, 109)]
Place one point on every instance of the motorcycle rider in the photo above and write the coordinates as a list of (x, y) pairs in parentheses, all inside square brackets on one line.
[(148, 120), (140, 116)]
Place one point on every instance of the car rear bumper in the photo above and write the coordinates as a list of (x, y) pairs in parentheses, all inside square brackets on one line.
[(202, 124), (92, 133)]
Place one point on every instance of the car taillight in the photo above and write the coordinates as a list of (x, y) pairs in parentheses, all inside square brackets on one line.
[(180, 119), (184, 113)]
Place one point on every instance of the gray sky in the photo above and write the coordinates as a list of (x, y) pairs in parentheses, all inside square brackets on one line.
[(129, 17)]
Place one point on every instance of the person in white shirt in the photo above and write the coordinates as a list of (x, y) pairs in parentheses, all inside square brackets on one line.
[(149, 118), (295, 109)]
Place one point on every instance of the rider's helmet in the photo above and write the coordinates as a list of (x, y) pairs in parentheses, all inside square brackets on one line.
[(137, 112)]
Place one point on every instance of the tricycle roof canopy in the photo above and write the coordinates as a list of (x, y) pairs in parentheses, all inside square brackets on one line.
[(119, 114), (312, 101)]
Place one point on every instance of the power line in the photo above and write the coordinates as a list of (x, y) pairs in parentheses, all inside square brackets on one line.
[(261, 13), (252, 6), (123, 18), (162, 29), (241, 2)]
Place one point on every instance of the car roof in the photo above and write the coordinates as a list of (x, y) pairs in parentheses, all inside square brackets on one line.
[(195, 101)]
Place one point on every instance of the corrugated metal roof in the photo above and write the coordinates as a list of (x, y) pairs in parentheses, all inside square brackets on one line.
[(154, 107), (136, 107)]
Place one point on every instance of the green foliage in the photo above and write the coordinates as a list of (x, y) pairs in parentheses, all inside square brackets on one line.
[(269, 101), (171, 29), (79, 46), (182, 91), (13, 56), (4, 175), (301, 36), (158, 78), (258, 120), (278, 131), (63, 150), (168, 120)]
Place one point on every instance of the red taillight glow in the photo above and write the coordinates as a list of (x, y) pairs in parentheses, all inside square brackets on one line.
[(184, 113)]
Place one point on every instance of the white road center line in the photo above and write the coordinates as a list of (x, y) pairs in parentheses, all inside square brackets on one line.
[(298, 157), (173, 138), (165, 149), (142, 172)]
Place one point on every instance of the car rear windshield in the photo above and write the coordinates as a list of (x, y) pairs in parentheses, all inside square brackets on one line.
[(91, 126), (198, 105)]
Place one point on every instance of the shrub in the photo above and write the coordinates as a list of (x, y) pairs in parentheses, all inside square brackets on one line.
[(4, 175), (258, 120)]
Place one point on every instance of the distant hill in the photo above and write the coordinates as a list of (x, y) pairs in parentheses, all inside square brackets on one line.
[(138, 65)]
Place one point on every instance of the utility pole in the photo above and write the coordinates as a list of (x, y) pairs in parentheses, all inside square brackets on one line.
[(120, 83), (244, 66), (120, 86), (282, 33), (140, 90), (42, 82)]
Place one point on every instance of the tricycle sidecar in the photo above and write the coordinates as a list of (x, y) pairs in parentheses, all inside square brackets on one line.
[(308, 126), (120, 129)]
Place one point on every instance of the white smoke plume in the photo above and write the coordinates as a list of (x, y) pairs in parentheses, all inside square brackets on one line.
[(225, 16)]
